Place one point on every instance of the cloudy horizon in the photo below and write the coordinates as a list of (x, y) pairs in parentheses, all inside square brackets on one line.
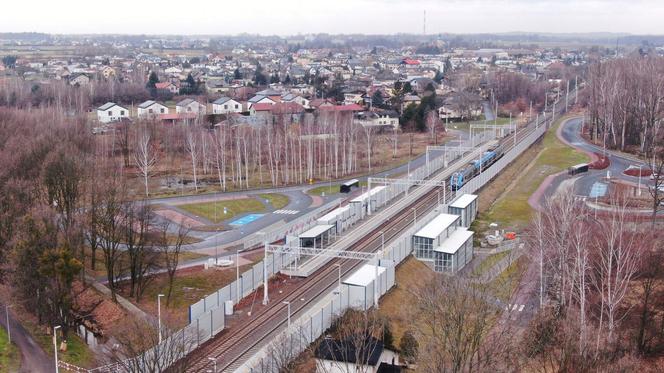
[(293, 17)]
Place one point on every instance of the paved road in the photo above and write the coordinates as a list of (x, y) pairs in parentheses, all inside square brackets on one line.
[(571, 132), (488, 111), (33, 358)]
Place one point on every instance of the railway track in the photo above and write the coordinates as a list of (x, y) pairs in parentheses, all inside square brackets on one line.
[(233, 346)]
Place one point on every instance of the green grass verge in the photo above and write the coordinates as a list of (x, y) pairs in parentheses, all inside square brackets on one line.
[(513, 209), (278, 201), (489, 262), (214, 211), (504, 285), (77, 352), (10, 358), (330, 189)]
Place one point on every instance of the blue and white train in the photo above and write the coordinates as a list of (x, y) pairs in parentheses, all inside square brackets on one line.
[(461, 177)]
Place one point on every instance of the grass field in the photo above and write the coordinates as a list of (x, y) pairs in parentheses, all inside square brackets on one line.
[(10, 359), (411, 276), (214, 211), (77, 352), (512, 209), (489, 262), (278, 201)]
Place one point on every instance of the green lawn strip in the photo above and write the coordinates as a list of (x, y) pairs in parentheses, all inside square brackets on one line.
[(77, 352), (504, 285), (489, 262), (278, 201), (513, 208), (214, 211), (10, 358), (330, 189)]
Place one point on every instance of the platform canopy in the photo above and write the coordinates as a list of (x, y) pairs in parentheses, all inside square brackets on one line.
[(316, 231)]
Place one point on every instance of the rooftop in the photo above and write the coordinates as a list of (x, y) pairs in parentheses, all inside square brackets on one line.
[(463, 201), (437, 226), (316, 231), (364, 276), (454, 242)]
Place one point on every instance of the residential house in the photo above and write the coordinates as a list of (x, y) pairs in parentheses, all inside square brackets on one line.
[(290, 97), (189, 105), (167, 86), (260, 99), (343, 356), (150, 109), (112, 112), (410, 100), (79, 79), (225, 105), (460, 106)]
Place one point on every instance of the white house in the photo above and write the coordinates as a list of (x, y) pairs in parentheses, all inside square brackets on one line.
[(111, 112), (290, 97), (150, 109), (260, 99), (189, 105), (225, 105)]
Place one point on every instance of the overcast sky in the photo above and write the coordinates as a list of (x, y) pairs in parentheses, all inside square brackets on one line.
[(289, 17)]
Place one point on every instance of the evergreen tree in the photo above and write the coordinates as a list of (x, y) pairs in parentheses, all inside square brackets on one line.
[(237, 75), (151, 85), (377, 99), (409, 346)]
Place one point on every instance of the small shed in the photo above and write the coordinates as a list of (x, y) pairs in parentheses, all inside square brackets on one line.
[(316, 236), (466, 207), (455, 252), (361, 285), (433, 234)]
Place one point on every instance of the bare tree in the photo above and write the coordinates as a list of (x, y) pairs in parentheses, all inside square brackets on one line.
[(145, 158), (192, 149), (170, 249), (138, 349), (460, 328)]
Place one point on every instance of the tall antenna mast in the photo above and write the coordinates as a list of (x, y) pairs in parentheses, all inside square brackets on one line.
[(424, 24)]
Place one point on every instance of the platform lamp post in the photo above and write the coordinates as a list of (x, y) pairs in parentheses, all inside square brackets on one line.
[(159, 296), (288, 304), (55, 347)]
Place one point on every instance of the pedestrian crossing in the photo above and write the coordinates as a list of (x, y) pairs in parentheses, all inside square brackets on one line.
[(286, 212), (515, 307)]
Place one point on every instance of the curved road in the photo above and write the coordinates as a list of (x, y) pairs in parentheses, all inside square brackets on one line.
[(33, 358), (571, 133)]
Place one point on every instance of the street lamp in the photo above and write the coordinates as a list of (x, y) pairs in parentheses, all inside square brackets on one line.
[(639, 191), (55, 347), (159, 315), (288, 303), (214, 363), (9, 332)]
